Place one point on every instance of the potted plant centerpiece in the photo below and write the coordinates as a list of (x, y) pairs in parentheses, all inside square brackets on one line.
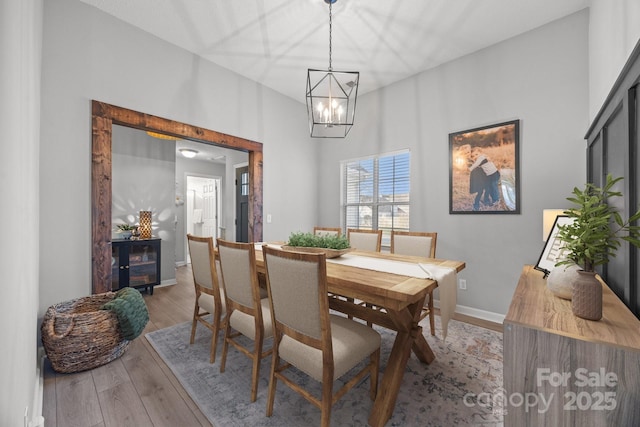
[(591, 239), (331, 245)]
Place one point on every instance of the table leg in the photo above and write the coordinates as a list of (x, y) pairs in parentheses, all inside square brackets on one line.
[(422, 349), (406, 322)]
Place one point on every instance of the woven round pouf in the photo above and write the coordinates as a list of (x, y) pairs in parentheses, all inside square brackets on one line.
[(586, 300), (562, 279)]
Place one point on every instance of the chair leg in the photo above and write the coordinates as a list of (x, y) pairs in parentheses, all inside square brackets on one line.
[(255, 373), (432, 321), (326, 403), (373, 376), (254, 377), (271, 395), (225, 343), (214, 337), (194, 323)]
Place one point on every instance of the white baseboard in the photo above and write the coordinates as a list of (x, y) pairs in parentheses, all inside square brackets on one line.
[(36, 414), (180, 263), (475, 312), (167, 282)]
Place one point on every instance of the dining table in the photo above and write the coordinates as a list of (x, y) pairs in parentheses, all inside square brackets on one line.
[(393, 300)]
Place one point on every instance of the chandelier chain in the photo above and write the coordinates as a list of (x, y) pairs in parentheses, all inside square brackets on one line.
[(330, 25)]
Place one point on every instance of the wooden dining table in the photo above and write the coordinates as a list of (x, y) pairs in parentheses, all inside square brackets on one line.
[(390, 300)]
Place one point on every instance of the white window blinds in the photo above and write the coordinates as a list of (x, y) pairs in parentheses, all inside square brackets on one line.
[(375, 193)]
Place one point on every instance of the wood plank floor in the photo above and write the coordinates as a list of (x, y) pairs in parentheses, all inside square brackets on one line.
[(138, 389)]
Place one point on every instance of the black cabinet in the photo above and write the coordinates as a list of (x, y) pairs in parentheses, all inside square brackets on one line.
[(135, 263)]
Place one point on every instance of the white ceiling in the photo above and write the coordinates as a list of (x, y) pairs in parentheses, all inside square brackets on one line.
[(274, 42)]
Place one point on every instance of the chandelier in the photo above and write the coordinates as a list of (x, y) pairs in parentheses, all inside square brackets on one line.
[(331, 97)]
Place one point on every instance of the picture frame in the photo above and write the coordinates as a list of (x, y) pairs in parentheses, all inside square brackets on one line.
[(484, 169), (552, 252)]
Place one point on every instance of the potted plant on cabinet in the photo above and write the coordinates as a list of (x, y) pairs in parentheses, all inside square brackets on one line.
[(594, 236), (126, 230)]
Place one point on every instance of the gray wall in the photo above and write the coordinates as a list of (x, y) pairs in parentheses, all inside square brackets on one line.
[(20, 72), (540, 78), (87, 55), (143, 179), (614, 30)]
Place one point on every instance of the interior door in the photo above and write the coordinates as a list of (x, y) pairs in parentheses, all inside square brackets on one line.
[(209, 211), (202, 208), (242, 204)]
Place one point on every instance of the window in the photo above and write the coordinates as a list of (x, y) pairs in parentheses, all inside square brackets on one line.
[(375, 193), (244, 184)]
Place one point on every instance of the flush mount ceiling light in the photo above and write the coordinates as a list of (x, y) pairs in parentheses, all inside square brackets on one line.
[(188, 152), (331, 97)]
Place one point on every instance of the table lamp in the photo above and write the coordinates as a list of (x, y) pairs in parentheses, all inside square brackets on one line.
[(145, 224), (548, 219)]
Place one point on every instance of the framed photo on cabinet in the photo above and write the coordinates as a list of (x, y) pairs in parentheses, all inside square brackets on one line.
[(484, 170), (553, 251)]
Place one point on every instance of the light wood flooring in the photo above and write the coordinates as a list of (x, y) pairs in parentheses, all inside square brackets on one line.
[(138, 389)]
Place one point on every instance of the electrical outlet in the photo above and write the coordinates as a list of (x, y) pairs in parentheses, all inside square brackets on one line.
[(462, 284), (268, 218)]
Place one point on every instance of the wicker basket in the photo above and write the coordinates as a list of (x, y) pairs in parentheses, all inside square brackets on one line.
[(77, 335)]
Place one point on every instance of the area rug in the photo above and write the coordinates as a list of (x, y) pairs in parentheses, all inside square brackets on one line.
[(444, 393)]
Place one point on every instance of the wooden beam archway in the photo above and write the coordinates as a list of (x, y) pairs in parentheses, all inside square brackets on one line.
[(104, 116)]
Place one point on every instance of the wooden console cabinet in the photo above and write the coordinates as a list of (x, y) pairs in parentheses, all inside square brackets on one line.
[(561, 370), (135, 263)]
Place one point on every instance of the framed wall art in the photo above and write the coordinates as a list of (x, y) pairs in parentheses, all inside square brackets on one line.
[(484, 170), (553, 248)]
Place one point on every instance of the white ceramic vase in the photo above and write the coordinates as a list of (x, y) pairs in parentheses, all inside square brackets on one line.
[(561, 280)]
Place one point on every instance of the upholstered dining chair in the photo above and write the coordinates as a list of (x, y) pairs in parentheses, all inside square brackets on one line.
[(210, 299), (417, 244), (365, 240), (414, 243), (327, 231), (322, 345), (247, 313)]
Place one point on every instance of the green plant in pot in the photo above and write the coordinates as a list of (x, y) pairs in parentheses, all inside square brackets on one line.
[(310, 240), (593, 237), (126, 230), (331, 245)]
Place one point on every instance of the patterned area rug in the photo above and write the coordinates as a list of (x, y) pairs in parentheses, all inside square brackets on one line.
[(444, 393)]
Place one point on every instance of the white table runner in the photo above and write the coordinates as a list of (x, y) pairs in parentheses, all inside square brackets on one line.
[(445, 276)]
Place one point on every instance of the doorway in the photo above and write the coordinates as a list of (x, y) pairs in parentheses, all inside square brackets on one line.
[(104, 116), (202, 207), (242, 204)]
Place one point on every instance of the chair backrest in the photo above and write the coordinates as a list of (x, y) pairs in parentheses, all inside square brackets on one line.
[(297, 285), (203, 264), (414, 243), (365, 240), (238, 266), (327, 231)]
